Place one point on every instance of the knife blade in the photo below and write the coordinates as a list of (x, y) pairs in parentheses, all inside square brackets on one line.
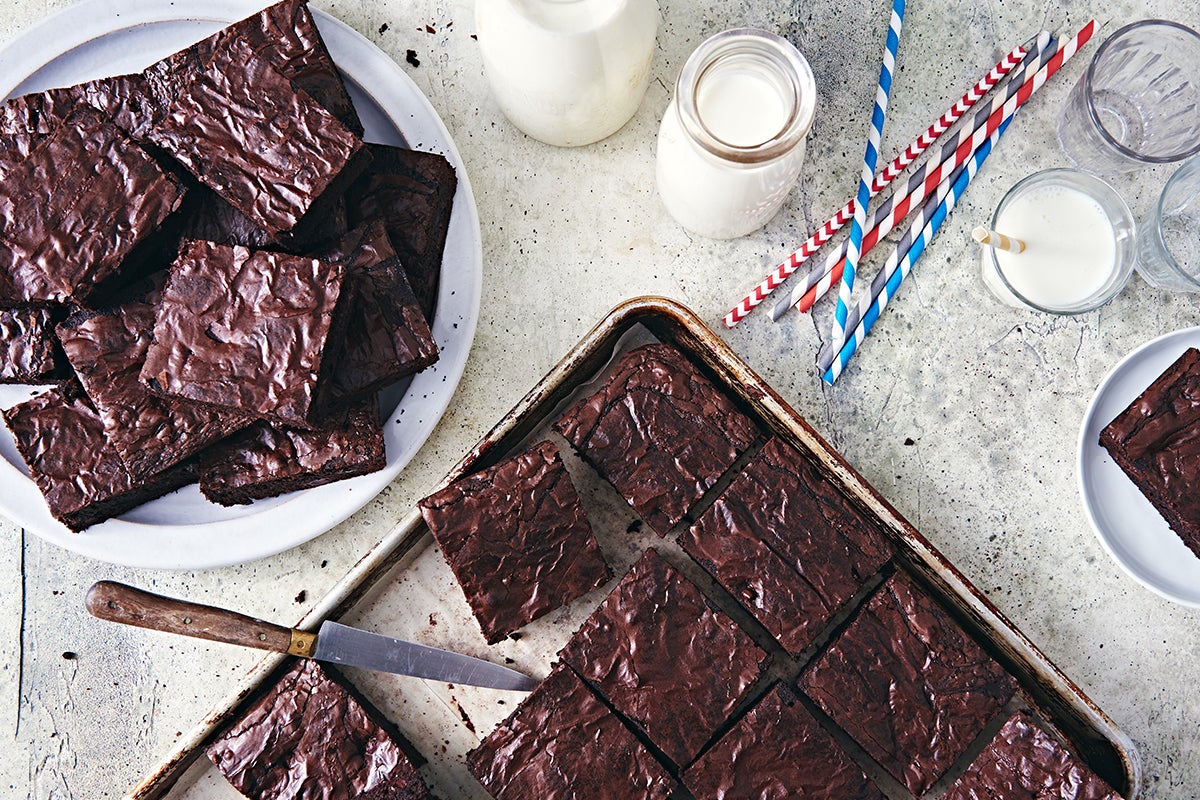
[(334, 642)]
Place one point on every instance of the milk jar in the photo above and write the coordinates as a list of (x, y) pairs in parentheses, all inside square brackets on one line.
[(731, 143), (567, 72)]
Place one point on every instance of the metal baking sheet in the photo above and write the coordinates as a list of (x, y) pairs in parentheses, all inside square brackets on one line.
[(403, 586)]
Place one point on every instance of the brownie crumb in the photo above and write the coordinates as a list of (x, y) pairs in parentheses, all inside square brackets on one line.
[(466, 720), (430, 29), (433, 620), (302, 596), (476, 38), (411, 57), (323, 564), (634, 527), (515, 636), (70, 656), (909, 442), (383, 29)]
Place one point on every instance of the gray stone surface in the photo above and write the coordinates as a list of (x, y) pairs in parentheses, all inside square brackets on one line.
[(991, 398)]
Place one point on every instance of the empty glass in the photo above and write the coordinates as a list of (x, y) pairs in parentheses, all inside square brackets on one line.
[(1138, 102), (1169, 242)]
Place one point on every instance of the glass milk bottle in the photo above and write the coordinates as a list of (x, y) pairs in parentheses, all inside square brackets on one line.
[(731, 142), (567, 72)]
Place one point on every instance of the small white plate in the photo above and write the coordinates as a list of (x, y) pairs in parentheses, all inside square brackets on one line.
[(1129, 527), (182, 530)]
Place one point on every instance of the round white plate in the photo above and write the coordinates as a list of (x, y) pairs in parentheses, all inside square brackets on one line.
[(1131, 530), (182, 530)]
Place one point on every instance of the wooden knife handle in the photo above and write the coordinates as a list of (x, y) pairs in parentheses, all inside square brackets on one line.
[(117, 602)]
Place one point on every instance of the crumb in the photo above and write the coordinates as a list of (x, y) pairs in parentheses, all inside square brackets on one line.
[(466, 720), (383, 29), (507, 660), (634, 527), (909, 442), (430, 29), (500, 702), (323, 563), (69, 656), (433, 620), (516, 637), (411, 57), (302, 596), (473, 36)]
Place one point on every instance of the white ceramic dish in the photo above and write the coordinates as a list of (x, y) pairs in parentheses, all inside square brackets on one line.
[(1130, 529), (182, 530)]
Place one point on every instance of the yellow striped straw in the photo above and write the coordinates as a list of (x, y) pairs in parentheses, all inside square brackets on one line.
[(998, 240)]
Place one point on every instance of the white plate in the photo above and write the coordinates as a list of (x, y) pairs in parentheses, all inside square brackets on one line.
[(1131, 530), (183, 531)]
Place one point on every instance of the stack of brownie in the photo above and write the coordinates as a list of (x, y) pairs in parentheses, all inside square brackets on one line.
[(217, 271)]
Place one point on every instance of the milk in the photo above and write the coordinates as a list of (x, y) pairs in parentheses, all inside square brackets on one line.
[(1070, 248), (567, 72)]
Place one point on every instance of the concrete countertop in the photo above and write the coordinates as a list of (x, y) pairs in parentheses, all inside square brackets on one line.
[(962, 413)]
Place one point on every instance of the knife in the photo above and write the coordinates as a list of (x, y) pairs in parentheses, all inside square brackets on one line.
[(335, 643)]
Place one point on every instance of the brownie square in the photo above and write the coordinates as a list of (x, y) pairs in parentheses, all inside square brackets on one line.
[(778, 751), (312, 735), (413, 193), (908, 684), (84, 481), (29, 351), (75, 209), (517, 539), (244, 330), (563, 744), (149, 432), (675, 666), (386, 337), (243, 130), (659, 432), (787, 544), (266, 460), (1024, 763), (1156, 441)]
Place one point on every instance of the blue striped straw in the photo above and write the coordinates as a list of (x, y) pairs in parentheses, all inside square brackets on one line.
[(847, 350), (878, 115)]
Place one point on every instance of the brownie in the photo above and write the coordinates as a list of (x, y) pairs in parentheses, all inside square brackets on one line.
[(563, 744), (312, 735), (267, 460), (787, 544), (386, 337), (1156, 441), (665, 658), (517, 539), (1024, 763), (210, 218), (75, 209), (778, 751), (244, 330), (413, 193), (243, 130), (82, 478), (908, 684), (151, 433), (659, 432), (29, 351)]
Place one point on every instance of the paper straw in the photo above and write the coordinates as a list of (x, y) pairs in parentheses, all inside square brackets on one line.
[(998, 240), (919, 184), (844, 351), (898, 164), (969, 141)]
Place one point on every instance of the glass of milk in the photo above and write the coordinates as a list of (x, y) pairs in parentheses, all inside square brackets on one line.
[(1169, 239), (731, 143), (1079, 244), (567, 72)]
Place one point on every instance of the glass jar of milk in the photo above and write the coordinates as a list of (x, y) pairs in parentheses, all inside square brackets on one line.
[(731, 142), (567, 72)]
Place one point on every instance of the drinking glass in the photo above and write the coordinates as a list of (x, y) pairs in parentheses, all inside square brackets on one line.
[(1169, 241), (1137, 103)]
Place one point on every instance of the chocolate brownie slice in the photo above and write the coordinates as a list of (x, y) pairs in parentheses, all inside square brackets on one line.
[(659, 432), (313, 735), (151, 433), (908, 684), (82, 478), (413, 193), (675, 666), (1024, 763), (778, 751), (563, 744), (76, 209), (517, 539), (1156, 441), (29, 351), (787, 544), (266, 460), (386, 337), (245, 331)]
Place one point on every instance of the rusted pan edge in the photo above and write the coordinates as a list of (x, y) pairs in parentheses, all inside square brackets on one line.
[(1092, 732)]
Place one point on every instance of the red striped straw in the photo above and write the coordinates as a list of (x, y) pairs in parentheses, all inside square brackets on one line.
[(910, 154), (961, 155)]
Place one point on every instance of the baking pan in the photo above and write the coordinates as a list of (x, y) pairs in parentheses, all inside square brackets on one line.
[(403, 587)]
